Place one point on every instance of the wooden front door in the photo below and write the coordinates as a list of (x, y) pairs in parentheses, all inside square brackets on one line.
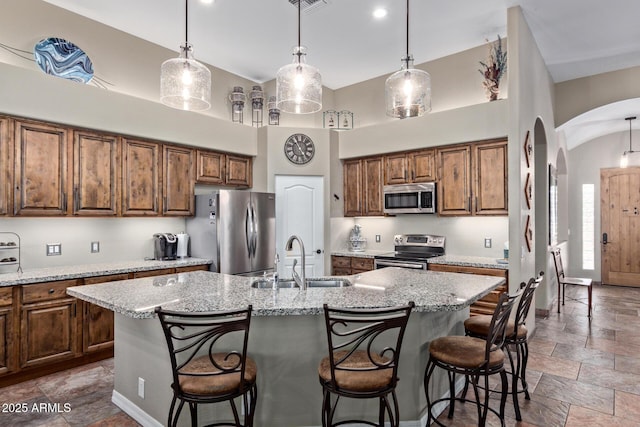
[(620, 223)]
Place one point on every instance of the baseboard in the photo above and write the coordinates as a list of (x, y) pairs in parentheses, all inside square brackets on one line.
[(134, 411)]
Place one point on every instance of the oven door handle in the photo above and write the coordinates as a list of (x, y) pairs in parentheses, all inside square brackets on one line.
[(401, 264)]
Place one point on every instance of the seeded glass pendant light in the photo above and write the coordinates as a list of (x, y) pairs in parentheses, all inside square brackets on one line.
[(299, 85), (185, 83), (408, 91), (624, 160)]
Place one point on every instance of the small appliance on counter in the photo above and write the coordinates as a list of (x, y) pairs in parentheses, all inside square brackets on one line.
[(183, 244), (357, 243), (165, 246)]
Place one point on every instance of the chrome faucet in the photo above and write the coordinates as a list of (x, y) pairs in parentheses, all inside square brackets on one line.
[(299, 279)]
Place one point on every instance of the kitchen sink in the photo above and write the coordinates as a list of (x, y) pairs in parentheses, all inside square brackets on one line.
[(311, 283)]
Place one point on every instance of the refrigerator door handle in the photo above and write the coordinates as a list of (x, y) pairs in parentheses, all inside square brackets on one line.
[(248, 229), (255, 230)]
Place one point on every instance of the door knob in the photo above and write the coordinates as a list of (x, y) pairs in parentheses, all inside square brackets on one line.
[(604, 238), (318, 251)]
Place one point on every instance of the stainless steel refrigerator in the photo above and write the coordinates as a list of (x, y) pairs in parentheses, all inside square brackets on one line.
[(236, 229)]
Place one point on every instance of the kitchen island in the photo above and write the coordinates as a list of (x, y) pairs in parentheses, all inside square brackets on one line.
[(287, 338)]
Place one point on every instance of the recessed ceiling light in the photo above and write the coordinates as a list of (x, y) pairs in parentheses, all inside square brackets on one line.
[(379, 13), (207, 1)]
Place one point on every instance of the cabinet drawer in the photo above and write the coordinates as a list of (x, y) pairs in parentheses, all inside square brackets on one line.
[(152, 273), (6, 297), (204, 267), (341, 261), (47, 291), (103, 279), (341, 271), (468, 270), (365, 264)]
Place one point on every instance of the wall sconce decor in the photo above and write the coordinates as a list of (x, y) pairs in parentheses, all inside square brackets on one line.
[(257, 101), (337, 120), (274, 111), (237, 98)]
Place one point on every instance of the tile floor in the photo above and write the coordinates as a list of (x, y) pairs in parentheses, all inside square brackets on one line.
[(581, 373)]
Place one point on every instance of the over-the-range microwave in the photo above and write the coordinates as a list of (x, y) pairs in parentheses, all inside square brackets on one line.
[(410, 198)]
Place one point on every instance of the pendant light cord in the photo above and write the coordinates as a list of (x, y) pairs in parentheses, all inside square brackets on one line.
[(186, 23), (407, 34), (299, 46), (630, 146)]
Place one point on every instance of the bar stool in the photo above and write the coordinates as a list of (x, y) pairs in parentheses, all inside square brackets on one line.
[(364, 350), (516, 336), (202, 371), (474, 358)]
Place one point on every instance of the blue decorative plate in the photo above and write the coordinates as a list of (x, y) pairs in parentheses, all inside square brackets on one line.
[(64, 59)]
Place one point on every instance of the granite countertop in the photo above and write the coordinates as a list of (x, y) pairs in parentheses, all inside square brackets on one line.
[(470, 261), (206, 291), (367, 253), (38, 275)]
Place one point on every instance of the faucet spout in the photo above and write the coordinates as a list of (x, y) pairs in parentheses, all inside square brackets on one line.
[(299, 278)]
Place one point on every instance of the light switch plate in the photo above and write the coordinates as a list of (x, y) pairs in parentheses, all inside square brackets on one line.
[(487, 243), (377, 238), (95, 247)]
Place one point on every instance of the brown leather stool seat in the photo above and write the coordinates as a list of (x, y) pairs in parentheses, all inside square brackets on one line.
[(474, 358), (360, 365), (203, 369), (479, 326)]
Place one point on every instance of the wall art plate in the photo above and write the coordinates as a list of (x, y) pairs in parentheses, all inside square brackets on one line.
[(528, 190), (528, 149), (61, 58), (528, 233)]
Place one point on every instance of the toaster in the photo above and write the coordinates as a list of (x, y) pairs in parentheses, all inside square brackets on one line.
[(165, 246)]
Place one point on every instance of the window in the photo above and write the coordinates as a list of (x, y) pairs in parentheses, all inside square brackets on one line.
[(588, 227)]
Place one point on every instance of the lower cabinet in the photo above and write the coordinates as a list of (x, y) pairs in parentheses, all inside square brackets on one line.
[(346, 265), (487, 304), (7, 343)]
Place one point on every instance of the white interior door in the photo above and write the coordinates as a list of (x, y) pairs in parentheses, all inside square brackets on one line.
[(300, 212)]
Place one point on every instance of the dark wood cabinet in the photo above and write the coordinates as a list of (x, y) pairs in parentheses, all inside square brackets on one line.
[(346, 265), (422, 165), (363, 180), (7, 343), (140, 177), (396, 169), (487, 304), (6, 165), (239, 171), (41, 174), (210, 167), (490, 176), (48, 324), (96, 173), (178, 183), (454, 183)]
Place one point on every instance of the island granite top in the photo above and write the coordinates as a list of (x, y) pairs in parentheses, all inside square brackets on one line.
[(39, 275), (206, 291)]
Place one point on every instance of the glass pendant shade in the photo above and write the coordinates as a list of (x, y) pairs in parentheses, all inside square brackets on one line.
[(624, 160), (299, 86), (185, 83), (408, 91)]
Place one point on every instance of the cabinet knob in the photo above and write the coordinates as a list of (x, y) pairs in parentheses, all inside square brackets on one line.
[(51, 291)]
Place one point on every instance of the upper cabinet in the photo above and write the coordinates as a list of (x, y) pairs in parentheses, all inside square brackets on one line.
[(363, 179), (410, 167), (239, 171), (178, 183), (473, 179), (41, 173), (6, 168), (140, 177), (210, 167), (96, 173)]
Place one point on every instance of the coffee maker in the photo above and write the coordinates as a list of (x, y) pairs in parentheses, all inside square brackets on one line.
[(165, 246)]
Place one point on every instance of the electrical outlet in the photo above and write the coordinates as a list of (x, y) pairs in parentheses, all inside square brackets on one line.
[(487, 242), (141, 387), (377, 238), (54, 249), (95, 247)]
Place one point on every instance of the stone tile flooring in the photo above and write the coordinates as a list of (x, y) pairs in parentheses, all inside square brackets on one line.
[(580, 374)]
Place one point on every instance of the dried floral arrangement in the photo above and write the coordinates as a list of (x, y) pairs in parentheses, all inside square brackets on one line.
[(494, 69)]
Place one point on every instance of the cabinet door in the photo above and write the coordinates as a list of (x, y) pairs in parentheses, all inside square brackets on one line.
[(6, 169), (422, 166), (48, 332), (97, 322), (395, 166), (6, 340), (41, 175), (352, 185), (178, 184), (490, 178), (96, 160), (140, 177), (372, 186), (454, 190), (239, 171), (210, 167)]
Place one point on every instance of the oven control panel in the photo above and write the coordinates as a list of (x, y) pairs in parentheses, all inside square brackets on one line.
[(419, 240)]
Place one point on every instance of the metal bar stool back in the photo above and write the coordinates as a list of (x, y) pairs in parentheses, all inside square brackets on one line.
[(208, 353), (364, 351), (472, 357)]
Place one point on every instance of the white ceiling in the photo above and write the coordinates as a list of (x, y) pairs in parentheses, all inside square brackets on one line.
[(253, 38)]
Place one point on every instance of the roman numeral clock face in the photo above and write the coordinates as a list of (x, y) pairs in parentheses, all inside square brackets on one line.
[(299, 148)]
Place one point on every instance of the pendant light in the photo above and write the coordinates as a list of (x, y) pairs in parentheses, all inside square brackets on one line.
[(624, 160), (299, 85), (408, 91), (185, 83)]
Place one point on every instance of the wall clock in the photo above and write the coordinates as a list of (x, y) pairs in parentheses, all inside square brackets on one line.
[(299, 149)]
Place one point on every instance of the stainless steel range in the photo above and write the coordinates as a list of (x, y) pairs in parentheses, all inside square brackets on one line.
[(412, 251)]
